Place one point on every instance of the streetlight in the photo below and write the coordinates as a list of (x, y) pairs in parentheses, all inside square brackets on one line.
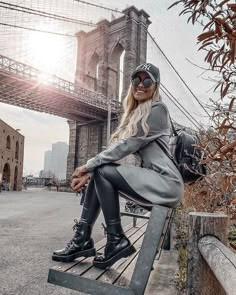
[(108, 121)]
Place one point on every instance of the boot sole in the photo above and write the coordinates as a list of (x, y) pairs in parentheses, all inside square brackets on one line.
[(124, 253), (70, 258)]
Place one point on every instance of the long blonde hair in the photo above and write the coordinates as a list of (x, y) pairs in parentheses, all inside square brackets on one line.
[(134, 113)]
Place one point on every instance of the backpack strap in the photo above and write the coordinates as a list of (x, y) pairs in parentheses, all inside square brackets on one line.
[(173, 127), (168, 154)]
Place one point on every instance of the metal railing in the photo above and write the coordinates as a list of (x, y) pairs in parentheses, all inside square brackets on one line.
[(10, 66)]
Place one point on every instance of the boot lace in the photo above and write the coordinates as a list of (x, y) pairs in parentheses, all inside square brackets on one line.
[(76, 225), (110, 241), (105, 229), (75, 228)]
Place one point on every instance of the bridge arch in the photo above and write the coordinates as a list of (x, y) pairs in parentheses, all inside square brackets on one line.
[(6, 175), (116, 70), (93, 71), (116, 43), (110, 39), (15, 178)]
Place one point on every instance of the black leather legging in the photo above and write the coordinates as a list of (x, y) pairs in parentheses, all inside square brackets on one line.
[(103, 193)]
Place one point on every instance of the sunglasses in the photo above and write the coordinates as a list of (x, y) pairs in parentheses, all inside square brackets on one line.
[(147, 82)]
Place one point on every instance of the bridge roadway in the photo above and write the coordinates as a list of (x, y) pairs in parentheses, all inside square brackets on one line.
[(27, 87), (35, 222)]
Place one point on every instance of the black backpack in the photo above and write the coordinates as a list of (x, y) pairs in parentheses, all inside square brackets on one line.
[(185, 155)]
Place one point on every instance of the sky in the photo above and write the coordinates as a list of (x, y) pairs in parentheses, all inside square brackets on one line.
[(172, 33)]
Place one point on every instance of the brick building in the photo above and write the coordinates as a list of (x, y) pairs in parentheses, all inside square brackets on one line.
[(11, 157)]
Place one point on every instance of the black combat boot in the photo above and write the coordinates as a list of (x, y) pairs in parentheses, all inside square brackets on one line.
[(118, 246), (81, 245)]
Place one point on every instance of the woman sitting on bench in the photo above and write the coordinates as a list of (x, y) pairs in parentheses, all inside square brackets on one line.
[(145, 121)]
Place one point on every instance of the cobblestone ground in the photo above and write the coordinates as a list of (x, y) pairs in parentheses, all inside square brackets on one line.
[(33, 223)]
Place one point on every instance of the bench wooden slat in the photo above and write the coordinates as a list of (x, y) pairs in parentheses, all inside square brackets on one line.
[(120, 270), (112, 281), (64, 266), (86, 269), (85, 285), (120, 265), (125, 278)]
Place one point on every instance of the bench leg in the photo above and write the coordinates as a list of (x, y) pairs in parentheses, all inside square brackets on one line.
[(157, 224), (167, 241), (134, 221)]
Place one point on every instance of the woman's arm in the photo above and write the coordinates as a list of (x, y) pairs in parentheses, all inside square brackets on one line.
[(159, 125)]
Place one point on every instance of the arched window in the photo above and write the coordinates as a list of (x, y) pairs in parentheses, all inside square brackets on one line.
[(121, 75), (116, 76), (8, 146), (15, 179), (6, 177), (93, 66), (17, 151), (93, 72)]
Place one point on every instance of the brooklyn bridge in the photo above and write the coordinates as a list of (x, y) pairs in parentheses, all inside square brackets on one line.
[(106, 52)]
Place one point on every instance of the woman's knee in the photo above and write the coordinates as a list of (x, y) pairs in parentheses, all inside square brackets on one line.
[(105, 170)]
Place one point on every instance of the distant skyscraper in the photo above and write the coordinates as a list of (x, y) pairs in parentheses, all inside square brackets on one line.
[(47, 160), (55, 161), (59, 159)]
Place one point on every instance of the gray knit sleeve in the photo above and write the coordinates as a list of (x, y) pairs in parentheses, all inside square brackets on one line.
[(159, 125)]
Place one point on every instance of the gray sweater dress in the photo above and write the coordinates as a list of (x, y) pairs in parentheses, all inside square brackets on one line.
[(157, 180)]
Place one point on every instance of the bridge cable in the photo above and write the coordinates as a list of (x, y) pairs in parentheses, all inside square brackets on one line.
[(100, 6), (174, 98), (44, 14), (178, 74), (179, 108), (37, 30)]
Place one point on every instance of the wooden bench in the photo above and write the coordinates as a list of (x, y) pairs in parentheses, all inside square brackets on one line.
[(128, 275)]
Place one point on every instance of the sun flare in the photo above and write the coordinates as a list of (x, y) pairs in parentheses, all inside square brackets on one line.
[(46, 51)]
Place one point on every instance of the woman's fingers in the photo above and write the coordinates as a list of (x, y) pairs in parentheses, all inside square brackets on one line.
[(78, 183), (76, 173), (74, 183), (80, 171)]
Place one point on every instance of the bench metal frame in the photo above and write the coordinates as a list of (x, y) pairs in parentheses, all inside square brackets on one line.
[(153, 240)]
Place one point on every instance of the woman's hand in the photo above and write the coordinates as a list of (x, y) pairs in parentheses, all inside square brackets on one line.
[(79, 182), (80, 171)]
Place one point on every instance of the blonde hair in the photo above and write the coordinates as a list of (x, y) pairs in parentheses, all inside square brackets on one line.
[(134, 113)]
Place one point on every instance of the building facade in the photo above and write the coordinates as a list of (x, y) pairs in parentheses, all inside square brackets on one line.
[(12, 155)]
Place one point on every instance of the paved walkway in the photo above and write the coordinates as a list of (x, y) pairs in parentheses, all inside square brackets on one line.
[(33, 223), (161, 281)]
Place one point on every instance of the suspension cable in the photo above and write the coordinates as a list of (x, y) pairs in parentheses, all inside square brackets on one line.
[(37, 30), (179, 108), (100, 6), (44, 14), (174, 98), (178, 74)]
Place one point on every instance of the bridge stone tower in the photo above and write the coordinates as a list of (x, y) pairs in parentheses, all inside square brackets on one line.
[(99, 69)]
